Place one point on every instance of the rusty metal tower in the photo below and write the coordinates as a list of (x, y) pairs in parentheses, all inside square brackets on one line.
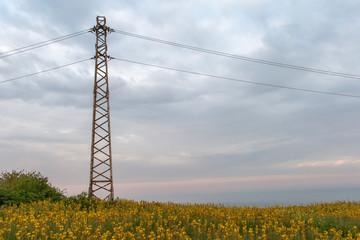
[(101, 180)]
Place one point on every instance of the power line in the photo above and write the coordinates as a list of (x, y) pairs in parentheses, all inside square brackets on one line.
[(41, 44), (239, 80), (43, 71), (255, 60)]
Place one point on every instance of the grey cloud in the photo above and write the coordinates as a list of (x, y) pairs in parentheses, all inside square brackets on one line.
[(170, 126)]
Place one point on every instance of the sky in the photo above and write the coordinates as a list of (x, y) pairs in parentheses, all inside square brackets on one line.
[(182, 137)]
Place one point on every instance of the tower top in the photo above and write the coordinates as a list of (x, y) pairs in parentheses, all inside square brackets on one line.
[(101, 24)]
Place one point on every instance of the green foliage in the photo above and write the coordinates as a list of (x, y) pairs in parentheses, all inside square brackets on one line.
[(82, 199), (23, 187)]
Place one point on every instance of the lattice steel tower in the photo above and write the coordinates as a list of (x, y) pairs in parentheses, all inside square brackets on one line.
[(101, 180)]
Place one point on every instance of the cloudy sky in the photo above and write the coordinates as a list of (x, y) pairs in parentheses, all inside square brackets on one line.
[(184, 137)]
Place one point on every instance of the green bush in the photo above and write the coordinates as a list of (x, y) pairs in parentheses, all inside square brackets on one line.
[(82, 199), (23, 187)]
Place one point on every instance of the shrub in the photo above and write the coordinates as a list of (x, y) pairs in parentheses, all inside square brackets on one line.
[(82, 199), (23, 187)]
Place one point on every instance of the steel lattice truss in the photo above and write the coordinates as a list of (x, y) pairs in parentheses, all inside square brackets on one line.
[(101, 181)]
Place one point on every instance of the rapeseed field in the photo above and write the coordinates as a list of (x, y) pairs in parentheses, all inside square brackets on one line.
[(125, 219)]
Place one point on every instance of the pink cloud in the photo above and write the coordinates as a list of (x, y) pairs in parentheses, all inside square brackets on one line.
[(209, 185), (203, 185)]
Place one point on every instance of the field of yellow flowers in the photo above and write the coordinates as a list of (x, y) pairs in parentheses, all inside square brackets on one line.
[(125, 219)]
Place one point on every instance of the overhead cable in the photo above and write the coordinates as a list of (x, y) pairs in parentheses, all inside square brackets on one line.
[(41, 44), (255, 60), (239, 80), (43, 71)]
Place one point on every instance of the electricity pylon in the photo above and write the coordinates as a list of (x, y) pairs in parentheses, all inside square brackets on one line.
[(101, 180)]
